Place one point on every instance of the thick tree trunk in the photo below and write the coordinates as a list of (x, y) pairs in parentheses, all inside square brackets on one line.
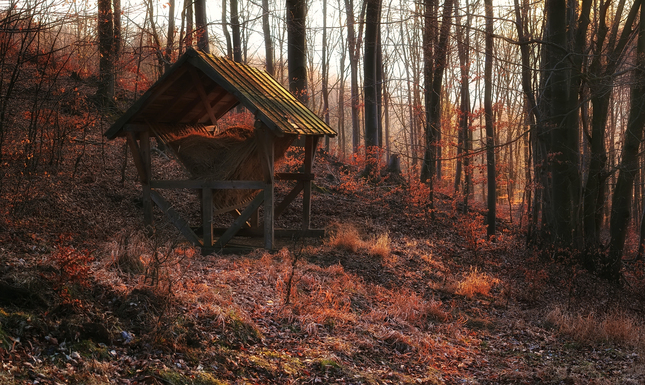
[(370, 63), (561, 135), (201, 26), (297, 49), (235, 27), (105, 92), (428, 167)]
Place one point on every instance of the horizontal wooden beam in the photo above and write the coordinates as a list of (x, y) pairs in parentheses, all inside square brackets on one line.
[(212, 184), (279, 233)]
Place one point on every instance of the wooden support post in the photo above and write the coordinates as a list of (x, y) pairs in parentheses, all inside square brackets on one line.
[(136, 157), (266, 145), (310, 151), (269, 235), (255, 219), (207, 216), (144, 139)]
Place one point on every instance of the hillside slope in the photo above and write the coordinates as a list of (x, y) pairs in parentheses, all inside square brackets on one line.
[(390, 296)]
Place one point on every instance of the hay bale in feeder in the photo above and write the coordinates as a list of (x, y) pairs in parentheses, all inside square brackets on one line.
[(232, 154)]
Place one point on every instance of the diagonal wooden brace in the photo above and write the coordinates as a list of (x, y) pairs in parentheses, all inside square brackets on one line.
[(239, 222)]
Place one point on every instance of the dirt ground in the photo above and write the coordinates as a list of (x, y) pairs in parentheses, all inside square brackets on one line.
[(393, 294)]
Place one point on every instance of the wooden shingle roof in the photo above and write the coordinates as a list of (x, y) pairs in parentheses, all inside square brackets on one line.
[(200, 88)]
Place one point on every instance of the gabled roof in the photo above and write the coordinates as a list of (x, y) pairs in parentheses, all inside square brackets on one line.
[(200, 88)]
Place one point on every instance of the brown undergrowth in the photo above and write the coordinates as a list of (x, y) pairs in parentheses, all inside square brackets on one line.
[(390, 296)]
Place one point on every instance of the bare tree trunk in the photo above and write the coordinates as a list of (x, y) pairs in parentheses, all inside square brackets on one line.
[(201, 26), (117, 41), (354, 49), (370, 63), (463, 157), (105, 92), (490, 130), (342, 137), (235, 27), (428, 167), (297, 49), (171, 34), (188, 8), (268, 41), (227, 35), (386, 114), (325, 73)]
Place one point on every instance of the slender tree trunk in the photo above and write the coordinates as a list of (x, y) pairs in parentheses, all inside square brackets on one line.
[(428, 168), (353, 47), (117, 39), (490, 130), (227, 35), (463, 157), (171, 33), (411, 112), (342, 137), (188, 8), (268, 41), (325, 73), (379, 85), (463, 43)]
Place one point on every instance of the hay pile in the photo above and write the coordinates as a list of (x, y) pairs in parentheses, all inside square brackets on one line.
[(232, 154)]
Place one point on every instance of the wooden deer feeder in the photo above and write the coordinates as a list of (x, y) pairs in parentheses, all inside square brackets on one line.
[(180, 108)]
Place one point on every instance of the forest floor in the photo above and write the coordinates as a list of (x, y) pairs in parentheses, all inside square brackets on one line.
[(392, 295)]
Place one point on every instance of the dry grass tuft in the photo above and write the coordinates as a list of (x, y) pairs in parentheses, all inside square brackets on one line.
[(380, 246), (476, 283), (617, 327), (346, 237)]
